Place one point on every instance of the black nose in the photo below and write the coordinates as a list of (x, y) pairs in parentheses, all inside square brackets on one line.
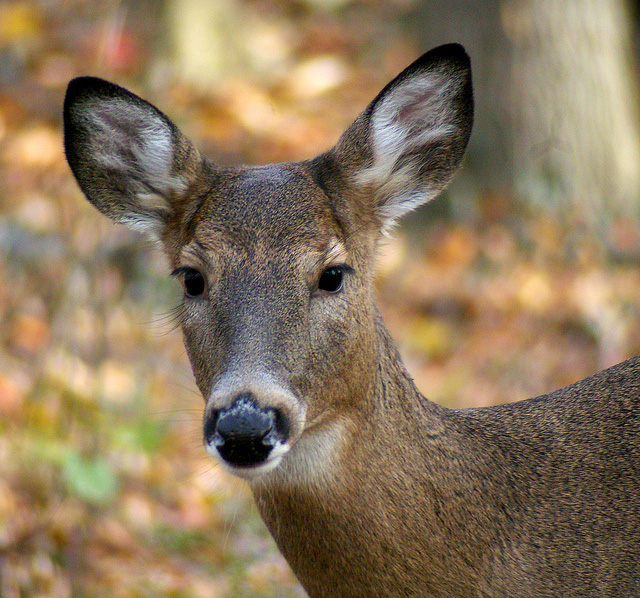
[(244, 433)]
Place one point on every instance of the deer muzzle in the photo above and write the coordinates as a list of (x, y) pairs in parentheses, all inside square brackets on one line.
[(247, 437)]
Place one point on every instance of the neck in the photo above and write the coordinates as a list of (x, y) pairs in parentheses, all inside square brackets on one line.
[(358, 492)]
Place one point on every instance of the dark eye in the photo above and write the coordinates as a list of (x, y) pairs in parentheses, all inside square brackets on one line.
[(331, 279), (193, 282)]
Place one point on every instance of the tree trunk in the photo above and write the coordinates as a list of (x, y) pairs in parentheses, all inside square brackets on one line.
[(574, 98)]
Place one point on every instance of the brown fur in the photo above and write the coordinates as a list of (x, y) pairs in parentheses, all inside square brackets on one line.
[(381, 493)]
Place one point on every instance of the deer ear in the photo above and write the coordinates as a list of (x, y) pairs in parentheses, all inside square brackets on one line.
[(406, 145), (129, 159)]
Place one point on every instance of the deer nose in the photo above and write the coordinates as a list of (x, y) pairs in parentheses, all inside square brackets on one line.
[(244, 433)]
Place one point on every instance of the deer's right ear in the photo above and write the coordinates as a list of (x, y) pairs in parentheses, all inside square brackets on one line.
[(129, 159)]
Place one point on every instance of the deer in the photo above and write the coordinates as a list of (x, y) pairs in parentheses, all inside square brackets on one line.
[(368, 488)]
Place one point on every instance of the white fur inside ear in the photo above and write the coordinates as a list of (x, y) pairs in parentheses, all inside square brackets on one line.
[(137, 147), (412, 116)]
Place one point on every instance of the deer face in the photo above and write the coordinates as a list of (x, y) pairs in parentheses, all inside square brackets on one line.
[(275, 312), (276, 262)]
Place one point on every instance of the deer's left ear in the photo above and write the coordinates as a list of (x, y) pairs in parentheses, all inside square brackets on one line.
[(129, 159), (406, 145)]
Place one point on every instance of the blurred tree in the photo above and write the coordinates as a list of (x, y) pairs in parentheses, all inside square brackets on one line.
[(216, 40), (574, 104), (556, 103), (477, 26), (204, 33)]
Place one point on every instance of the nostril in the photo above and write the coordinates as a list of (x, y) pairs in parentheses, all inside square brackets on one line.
[(209, 426), (244, 434), (281, 425)]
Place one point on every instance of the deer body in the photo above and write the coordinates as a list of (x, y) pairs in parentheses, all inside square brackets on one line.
[(368, 488), (508, 501)]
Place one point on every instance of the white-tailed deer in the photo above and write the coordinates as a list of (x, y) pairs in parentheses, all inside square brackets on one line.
[(369, 489)]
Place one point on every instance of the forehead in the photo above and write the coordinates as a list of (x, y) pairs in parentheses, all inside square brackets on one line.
[(269, 204)]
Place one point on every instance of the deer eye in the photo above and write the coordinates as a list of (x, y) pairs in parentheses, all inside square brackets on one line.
[(192, 280), (331, 279)]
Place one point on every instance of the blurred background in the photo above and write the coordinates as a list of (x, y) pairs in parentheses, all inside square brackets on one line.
[(523, 277)]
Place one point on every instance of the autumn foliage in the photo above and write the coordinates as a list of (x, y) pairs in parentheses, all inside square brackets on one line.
[(105, 489)]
